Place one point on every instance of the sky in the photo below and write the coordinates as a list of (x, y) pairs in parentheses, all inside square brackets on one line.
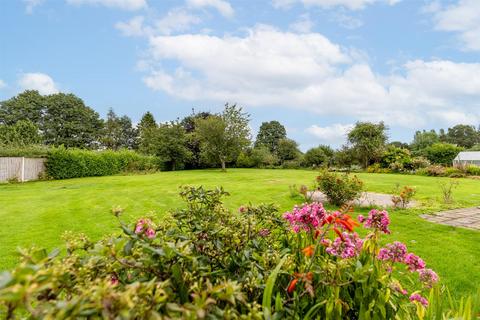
[(317, 66)]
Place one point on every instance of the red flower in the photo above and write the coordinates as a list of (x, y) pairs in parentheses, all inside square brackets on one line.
[(292, 285)]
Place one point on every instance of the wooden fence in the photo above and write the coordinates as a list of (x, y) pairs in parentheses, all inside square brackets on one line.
[(20, 168)]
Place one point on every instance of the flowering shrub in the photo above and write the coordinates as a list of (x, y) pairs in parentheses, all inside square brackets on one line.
[(205, 261), (404, 198)]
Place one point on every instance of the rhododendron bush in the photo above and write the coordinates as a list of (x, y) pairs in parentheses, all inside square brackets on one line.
[(205, 261)]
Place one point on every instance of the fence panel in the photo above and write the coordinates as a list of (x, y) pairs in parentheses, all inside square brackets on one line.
[(22, 169)]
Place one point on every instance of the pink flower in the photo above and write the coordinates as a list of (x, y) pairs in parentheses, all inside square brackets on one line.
[(264, 233), (242, 209), (378, 220), (347, 246), (146, 227), (150, 233), (114, 280), (394, 252), (307, 218), (419, 298), (361, 218), (428, 277), (414, 263)]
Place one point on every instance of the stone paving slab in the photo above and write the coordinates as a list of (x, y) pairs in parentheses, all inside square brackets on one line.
[(465, 218)]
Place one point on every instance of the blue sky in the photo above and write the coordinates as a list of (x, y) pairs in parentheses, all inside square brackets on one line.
[(317, 66)]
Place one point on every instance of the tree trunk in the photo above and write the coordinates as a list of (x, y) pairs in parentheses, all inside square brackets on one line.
[(223, 165)]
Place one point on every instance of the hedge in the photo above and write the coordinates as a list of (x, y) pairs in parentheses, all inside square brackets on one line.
[(65, 163), (34, 151)]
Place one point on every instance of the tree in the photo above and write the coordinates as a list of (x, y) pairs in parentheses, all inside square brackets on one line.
[(399, 144), (169, 144), (345, 157), (315, 157), (69, 122), (397, 156), (224, 136), (28, 105), (146, 132), (462, 135), (287, 149), (193, 141), (22, 133), (368, 139), (442, 153), (118, 132), (270, 134), (422, 140)]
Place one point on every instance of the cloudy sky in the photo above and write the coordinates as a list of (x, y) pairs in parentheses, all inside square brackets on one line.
[(317, 66)]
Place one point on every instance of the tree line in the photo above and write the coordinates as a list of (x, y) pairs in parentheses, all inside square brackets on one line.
[(205, 139)]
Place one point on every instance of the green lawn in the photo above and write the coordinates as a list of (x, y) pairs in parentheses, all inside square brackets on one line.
[(37, 213)]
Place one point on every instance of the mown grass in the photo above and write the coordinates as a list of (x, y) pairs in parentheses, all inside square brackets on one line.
[(37, 213)]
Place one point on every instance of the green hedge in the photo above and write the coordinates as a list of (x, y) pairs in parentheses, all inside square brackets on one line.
[(34, 151), (65, 163)]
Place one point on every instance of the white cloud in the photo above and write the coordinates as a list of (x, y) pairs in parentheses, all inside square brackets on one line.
[(347, 21), (348, 4), (462, 18), (303, 25), (177, 19), (2, 84), (332, 134), (309, 73), (31, 4), (38, 81), (223, 7), (121, 4)]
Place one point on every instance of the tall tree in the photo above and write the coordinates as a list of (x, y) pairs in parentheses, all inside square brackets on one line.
[(193, 141), (269, 135), (146, 132), (69, 122), (422, 140), (224, 136), (22, 133), (463, 135), (118, 132), (169, 144), (368, 139), (28, 105)]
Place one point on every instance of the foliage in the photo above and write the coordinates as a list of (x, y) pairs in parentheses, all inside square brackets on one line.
[(22, 133), (377, 168), (396, 159), (224, 136), (435, 171), (316, 157), (404, 197), (463, 135), (442, 153), (259, 157), (32, 151), (193, 140), (345, 157), (473, 170), (118, 132), (287, 150), (65, 163), (169, 145), (368, 140), (422, 140), (208, 263), (339, 189), (270, 134), (419, 162), (146, 130)]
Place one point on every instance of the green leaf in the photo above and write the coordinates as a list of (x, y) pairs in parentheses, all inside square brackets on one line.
[(267, 294)]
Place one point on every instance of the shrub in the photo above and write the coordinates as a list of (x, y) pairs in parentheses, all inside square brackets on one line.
[(473, 170), (442, 153), (396, 158), (65, 163), (315, 157), (339, 189), (377, 168), (208, 263), (404, 197), (292, 164), (435, 171), (453, 172), (419, 163)]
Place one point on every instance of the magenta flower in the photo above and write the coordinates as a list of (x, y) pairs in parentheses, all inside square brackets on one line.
[(242, 209), (419, 298), (414, 263), (145, 227), (347, 246), (377, 220), (114, 280), (394, 252), (307, 218), (428, 277)]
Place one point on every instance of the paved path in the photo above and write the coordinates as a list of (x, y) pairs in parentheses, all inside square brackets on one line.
[(466, 218), (367, 199)]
